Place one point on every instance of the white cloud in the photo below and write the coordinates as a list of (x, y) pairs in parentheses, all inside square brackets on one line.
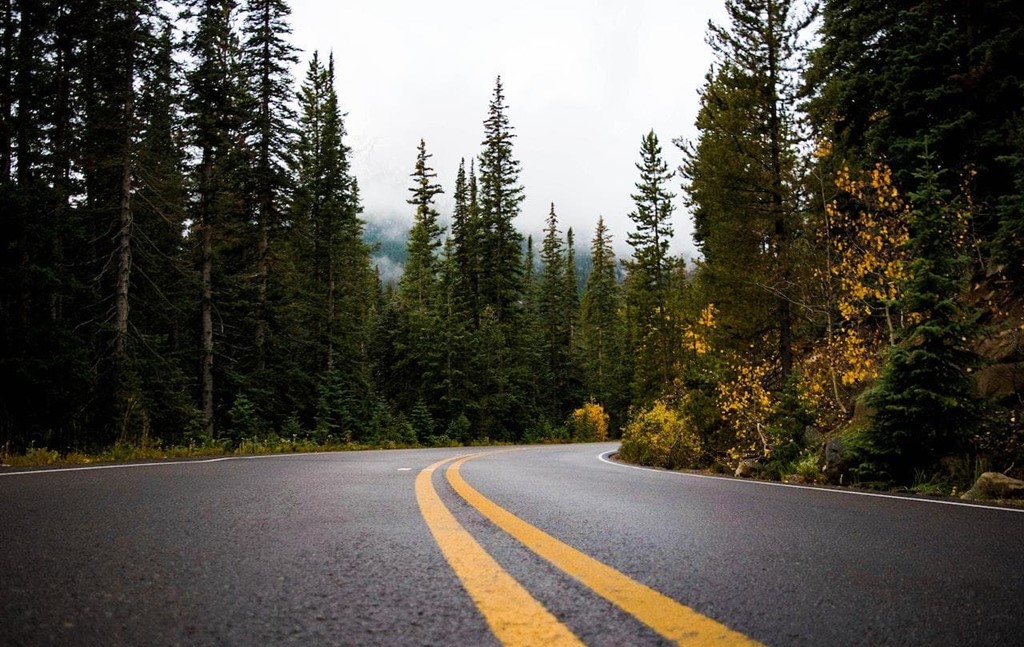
[(389, 270)]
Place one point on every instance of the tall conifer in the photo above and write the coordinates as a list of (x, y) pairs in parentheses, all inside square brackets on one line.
[(214, 109), (649, 272), (423, 261), (554, 318), (742, 175), (925, 401), (267, 58), (125, 56), (500, 196), (339, 284), (605, 366)]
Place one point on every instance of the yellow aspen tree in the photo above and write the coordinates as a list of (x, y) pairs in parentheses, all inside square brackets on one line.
[(868, 221), (865, 237), (697, 336), (746, 405)]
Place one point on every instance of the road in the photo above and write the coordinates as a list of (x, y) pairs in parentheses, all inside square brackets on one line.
[(552, 544)]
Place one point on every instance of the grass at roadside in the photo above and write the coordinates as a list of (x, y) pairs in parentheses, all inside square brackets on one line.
[(41, 457), (38, 457)]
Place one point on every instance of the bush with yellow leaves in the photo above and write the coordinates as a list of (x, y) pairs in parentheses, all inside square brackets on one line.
[(588, 424), (661, 437)]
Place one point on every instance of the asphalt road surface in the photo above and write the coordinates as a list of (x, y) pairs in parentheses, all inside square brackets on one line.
[(552, 544)]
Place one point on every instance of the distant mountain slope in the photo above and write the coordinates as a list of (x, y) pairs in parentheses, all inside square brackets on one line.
[(387, 235)]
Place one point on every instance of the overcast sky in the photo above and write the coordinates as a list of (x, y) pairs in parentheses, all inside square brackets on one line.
[(584, 81)]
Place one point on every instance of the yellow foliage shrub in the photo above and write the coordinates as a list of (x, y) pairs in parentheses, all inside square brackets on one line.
[(589, 423), (660, 437)]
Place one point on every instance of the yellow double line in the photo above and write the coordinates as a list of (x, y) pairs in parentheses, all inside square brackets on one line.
[(515, 616)]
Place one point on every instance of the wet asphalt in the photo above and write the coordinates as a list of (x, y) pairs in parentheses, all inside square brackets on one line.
[(331, 549)]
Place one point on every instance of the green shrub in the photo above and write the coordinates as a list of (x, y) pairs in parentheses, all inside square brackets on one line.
[(807, 469), (546, 433), (458, 429)]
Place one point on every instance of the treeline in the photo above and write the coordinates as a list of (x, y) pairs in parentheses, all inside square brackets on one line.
[(859, 211), (185, 257)]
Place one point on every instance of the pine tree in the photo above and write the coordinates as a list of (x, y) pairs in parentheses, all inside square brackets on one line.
[(572, 286), (500, 196), (421, 270), (925, 401), (554, 319), (454, 387), (649, 273), (214, 109), (339, 289), (125, 54), (464, 237), (165, 288), (267, 58), (605, 366), (725, 194), (418, 363), (530, 348), (501, 370), (742, 175), (459, 307)]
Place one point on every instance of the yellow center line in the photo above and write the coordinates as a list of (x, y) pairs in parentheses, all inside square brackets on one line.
[(513, 615), (674, 621)]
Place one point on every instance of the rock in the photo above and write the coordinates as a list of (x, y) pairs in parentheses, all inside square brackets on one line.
[(833, 452), (862, 412), (1000, 380), (993, 485), (813, 436), (1005, 347), (994, 270), (748, 467), (835, 464)]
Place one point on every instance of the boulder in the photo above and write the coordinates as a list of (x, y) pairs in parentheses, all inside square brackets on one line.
[(993, 485), (748, 467), (813, 436), (1005, 347), (1000, 380), (863, 413), (835, 463), (833, 453)]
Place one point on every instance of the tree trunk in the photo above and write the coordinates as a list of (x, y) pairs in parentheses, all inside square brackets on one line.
[(125, 219), (206, 300), (265, 198), (785, 315), (262, 274), (330, 310), (6, 90)]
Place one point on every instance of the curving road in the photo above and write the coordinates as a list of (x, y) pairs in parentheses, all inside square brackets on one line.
[(540, 544)]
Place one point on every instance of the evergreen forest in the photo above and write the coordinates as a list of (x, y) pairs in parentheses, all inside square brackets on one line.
[(184, 259)]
